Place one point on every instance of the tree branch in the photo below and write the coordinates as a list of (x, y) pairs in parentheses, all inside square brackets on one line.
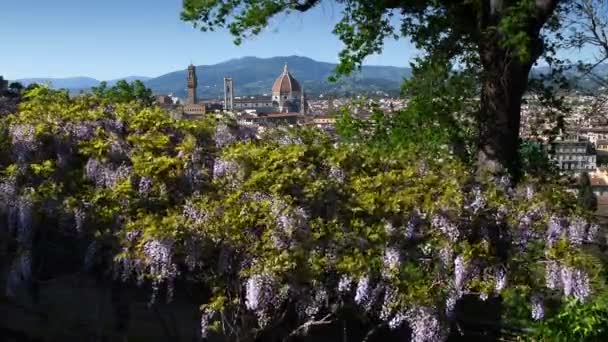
[(372, 332), (544, 10), (303, 6), (304, 327)]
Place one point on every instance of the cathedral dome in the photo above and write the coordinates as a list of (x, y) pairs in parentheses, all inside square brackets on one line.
[(285, 83)]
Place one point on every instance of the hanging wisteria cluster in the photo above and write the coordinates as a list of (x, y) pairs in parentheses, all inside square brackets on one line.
[(289, 224)]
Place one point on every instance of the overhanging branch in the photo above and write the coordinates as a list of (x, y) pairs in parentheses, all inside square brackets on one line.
[(303, 6)]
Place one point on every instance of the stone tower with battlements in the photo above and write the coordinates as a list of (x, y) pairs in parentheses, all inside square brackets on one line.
[(192, 85), (193, 109)]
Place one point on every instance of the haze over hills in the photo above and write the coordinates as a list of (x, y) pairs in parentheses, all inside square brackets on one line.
[(255, 76), (77, 83)]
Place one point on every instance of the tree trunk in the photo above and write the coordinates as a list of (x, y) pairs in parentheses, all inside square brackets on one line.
[(504, 82)]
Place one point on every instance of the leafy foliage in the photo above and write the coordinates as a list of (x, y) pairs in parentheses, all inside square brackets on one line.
[(124, 92), (290, 224)]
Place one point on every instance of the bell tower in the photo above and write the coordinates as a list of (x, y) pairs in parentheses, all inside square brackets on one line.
[(228, 94), (192, 84)]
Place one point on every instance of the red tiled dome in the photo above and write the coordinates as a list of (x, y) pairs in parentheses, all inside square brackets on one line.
[(286, 83)]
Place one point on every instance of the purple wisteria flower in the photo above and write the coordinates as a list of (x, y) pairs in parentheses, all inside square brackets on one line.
[(573, 282), (23, 137), (388, 306), (289, 219), (580, 231), (193, 213), (223, 136), (446, 255), (337, 174), (553, 275), (554, 230), (206, 320), (450, 303), (529, 192), (478, 201), (144, 187), (461, 270), (159, 254), (317, 303), (426, 325), (79, 131), (261, 296), (345, 284), (397, 320), (103, 175), (524, 232), (500, 279), (79, 219), (225, 168), (392, 259), (446, 227), (362, 294), (538, 309)]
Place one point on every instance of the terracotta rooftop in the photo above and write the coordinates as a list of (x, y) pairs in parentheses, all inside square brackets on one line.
[(598, 181), (286, 83)]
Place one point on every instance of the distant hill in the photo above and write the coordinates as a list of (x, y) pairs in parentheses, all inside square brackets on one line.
[(67, 83), (584, 83), (76, 83), (128, 79), (253, 76)]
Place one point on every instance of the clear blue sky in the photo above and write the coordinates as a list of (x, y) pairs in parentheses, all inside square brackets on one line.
[(107, 39)]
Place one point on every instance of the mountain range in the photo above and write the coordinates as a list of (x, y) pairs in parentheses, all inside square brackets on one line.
[(255, 76)]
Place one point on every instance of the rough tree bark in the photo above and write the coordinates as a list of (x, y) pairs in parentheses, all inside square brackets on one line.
[(504, 82), (505, 79)]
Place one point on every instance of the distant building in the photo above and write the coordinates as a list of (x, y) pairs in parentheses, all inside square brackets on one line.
[(3, 85), (287, 93), (602, 145), (574, 156), (193, 109), (164, 101), (286, 104), (275, 119), (321, 121), (594, 133), (261, 104), (287, 96)]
